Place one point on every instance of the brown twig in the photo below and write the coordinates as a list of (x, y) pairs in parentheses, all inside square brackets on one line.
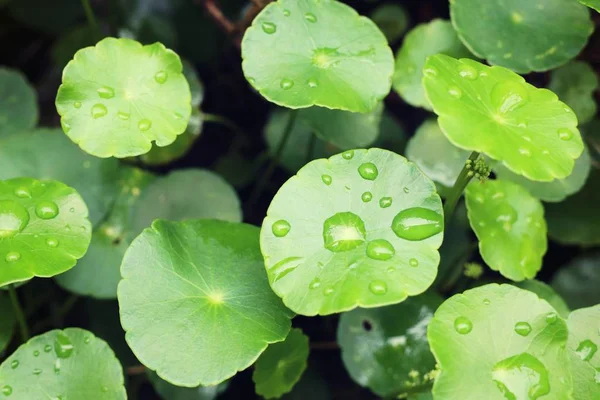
[(215, 13), (136, 370)]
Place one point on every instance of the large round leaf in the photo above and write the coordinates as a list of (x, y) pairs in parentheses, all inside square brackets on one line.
[(172, 392), (578, 281), (437, 36), (522, 35), (510, 226), (493, 110), (117, 97), (18, 103), (67, 364), (48, 154), (195, 301), (361, 228), (44, 229), (300, 53), (498, 342), (584, 339), (281, 366), (7, 321), (575, 84), (545, 292), (383, 347), (391, 19)]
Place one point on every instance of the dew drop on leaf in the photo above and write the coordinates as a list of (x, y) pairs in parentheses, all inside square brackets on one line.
[(315, 283), (23, 193), (413, 262), (14, 364), (63, 347), (487, 302), (77, 104), (385, 202), (7, 390), (286, 84), (344, 231), (269, 28), (368, 171), (123, 115), (347, 155), (37, 371), (366, 197), (521, 377), (106, 92), (462, 325), (52, 242), (455, 92), (12, 256), (378, 287), (144, 125), (280, 228), (380, 249), (312, 83), (565, 134), (328, 291), (326, 179), (46, 209), (508, 96), (468, 72), (13, 218), (47, 348), (551, 318), (160, 77), (417, 223), (430, 72), (586, 350), (99, 110), (36, 353), (310, 17), (522, 328), (286, 13)]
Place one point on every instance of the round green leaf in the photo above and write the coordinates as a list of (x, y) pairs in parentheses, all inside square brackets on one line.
[(391, 19), (498, 342), (382, 351), (48, 154), (7, 321), (172, 392), (206, 195), (44, 229), (67, 364), (195, 301), (424, 40), (521, 35), (510, 226), (584, 339), (546, 292), (494, 111), (361, 228), (578, 281), (317, 52), (117, 97), (575, 83), (556, 190), (312, 385), (281, 366), (18, 103), (595, 4)]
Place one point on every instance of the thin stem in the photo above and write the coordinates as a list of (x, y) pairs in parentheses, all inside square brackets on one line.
[(459, 186), (311, 147), (19, 313), (89, 14), (219, 119)]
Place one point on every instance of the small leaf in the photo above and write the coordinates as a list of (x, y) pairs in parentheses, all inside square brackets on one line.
[(7, 321), (18, 103), (172, 392), (575, 84), (595, 4), (546, 292), (522, 35), (424, 40), (386, 353), (306, 53), (44, 229), (281, 366), (494, 111), (578, 281), (391, 19), (117, 97), (63, 364), (510, 226), (584, 339), (498, 342), (195, 301), (361, 228)]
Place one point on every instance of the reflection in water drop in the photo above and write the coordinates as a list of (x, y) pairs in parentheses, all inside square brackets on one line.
[(46, 209), (144, 125), (99, 110), (508, 96), (269, 28), (468, 72), (368, 171), (521, 377), (106, 92), (280, 228), (378, 287), (463, 325), (417, 223), (344, 231), (12, 256), (565, 134), (522, 328), (326, 179), (63, 347), (286, 84), (380, 249), (385, 202), (347, 155), (310, 17), (366, 197), (161, 77)]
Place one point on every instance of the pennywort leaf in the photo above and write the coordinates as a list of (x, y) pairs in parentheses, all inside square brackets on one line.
[(546, 292), (584, 339), (18, 103), (575, 84), (595, 4)]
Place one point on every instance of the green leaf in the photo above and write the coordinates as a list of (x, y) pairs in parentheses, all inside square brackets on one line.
[(306, 53), (63, 364), (494, 111), (195, 301), (595, 4), (546, 292), (556, 190), (48, 154), (498, 342), (391, 19), (521, 35), (97, 274), (584, 339), (117, 97), (392, 135), (575, 83), (578, 281), (18, 103), (424, 40), (172, 392), (206, 195), (7, 321), (510, 226), (196, 85), (312, 385), (281, 366), (44, 229), (386, 353), (361, 228)]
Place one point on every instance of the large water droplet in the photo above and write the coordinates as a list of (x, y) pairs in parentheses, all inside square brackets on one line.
[(7, 390), (347, 155), (14, 364), (366, 197), (551, 318), (522, 328), (468, 72), (52, 242), (269, 28), (385, 202), (286, 84), (413, 262), (280, 228), (507, 96), (286, 13), (521, 377), (463, 325), (144, 125), (368, 171), (378, 287), (310, 17), (565, 134), (417, 223), (63, 347), (586, 350), (161, 77), (380, 249), (22, 192), (13, 218), (12, 256), (99, 110), (455, 92), (106, 92), (46, 209), (344, 231), (326, 179)]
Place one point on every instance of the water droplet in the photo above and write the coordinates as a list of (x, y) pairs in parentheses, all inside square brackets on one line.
[(522, 328), (104, 389), (14, 364), (586, 350), (405, 189), (22, 192), (7, 390), (144, 125), (87, 340), (487, 302), (468, 72), (286, 84), (36, 353), (391, 270), (37, 371), (366, 197), (525, 152), (52, 242), (310, 17), (368, 171), (46, 209), (328, 291), (430, 72), (565, 134), (77, 104), (56, 367), (413, 262), (123, 115), (551, 318), (12, 256), (47, 348), (106, 92), (380, 249), (13, 218), (378, 287), (326, 179), (315, 283), (521, 377), (344, 231), (463, 325), (505, 213), (269, 28), (161, 77), (508, 96), (385, 202), (455, 92), (312, 83), (99, 110), (280, 228), (286, 13), (347, 155), (63, 347), (417, 223)]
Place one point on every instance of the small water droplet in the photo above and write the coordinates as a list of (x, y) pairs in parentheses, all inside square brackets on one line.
[(347, 155), (385, 202), (344, 231), (56, 367), (269, 28), (286, 13), (310, 17), (312, 83), (521, 377), (378, 287), (104, 389), (77, 104), (36, 353), (468, 72), (391, 270), (46, 209), (22, 192), (280, 228), (63, 347), (413, 262), (106, 92), (565, 134), (144, 125), (417, 223), (430, 72), (87, 340), (315, 283), (14, 364), (405, 189), (508, 96), (99, 110), (522, 328), (52, 242), (551, 318), (586, 350), (326, 179), (368, 171), (380, 249), (123, 115), (328, 291), (286, 84), (462, 325), (47, 348), (161, 77), (455, 92), (366, 197), (525, 152), (7, 390), (37, 371), (13, 218), (12, 256), (487, 302)]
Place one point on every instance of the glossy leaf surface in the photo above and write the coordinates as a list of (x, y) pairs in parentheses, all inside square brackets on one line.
[(584, 339), (595, 4), (545, 292)]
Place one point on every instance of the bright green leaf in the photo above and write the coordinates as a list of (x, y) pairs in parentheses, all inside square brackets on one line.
[(498, 342), (494, 111), (281, 366), (386, 348), (195, 301), (391, 19), (44, 229), (300, 53), (575, 84), (361, 228), (546, 292), (7, 321), (67, 364), (18, 103), (172, 392), (578, 281), (595, 4), (584, 339), (510, 226), (117, 97), (522, 35)]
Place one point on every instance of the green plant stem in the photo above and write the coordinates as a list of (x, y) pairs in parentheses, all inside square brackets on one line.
[(19, 313), (310, 150), (459, 186), (218, 119), (89, 14)]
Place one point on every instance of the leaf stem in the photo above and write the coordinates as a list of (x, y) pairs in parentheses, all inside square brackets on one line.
[(459, 186), (226, 122), (19, 313), (89, 14)]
